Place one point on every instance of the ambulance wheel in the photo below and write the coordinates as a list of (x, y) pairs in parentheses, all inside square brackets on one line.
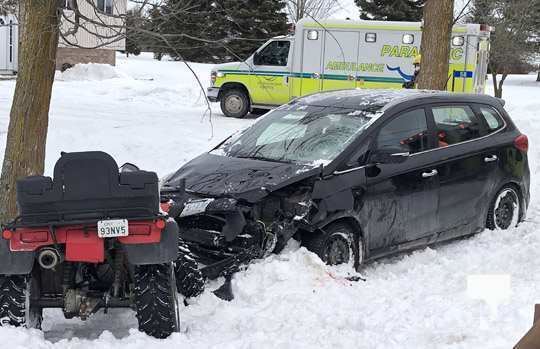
[(155, 300), (16, 309), (235, 103)]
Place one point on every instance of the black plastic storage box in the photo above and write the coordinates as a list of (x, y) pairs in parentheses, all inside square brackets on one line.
[(87, 185)]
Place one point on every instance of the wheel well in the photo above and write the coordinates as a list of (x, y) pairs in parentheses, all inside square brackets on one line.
[(233, 86), (357, 230), (517, 188)]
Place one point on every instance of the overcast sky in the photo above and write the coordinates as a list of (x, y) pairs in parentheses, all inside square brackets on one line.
[(349, 9)]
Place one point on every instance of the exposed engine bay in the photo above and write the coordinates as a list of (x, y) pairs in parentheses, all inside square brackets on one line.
[(224, 232)]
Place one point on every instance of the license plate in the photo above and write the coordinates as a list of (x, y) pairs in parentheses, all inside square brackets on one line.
[(112, 228), (195, 207)]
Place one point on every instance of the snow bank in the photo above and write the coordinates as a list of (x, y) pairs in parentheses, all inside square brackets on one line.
[(89, 72), (417, 300)]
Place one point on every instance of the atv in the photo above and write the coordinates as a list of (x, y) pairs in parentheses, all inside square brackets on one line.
[(91, 238)]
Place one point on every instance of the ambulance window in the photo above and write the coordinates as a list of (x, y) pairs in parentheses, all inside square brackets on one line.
[(408, 39), (371, 37), (458, 41), (275, 53), (313, 35)]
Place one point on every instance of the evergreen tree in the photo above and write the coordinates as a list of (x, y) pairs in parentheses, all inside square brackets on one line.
[(250, 23), (391, 10), (133, 38), (219, 30)]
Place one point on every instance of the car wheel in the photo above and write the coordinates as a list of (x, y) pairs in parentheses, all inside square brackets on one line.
[(336, 244), (504, 210), (235, 103)]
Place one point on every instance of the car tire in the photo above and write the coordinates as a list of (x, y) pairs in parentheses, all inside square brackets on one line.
[(504, 210), (336, 244), (155, 300), (189, 278), (235, 103), (15, 302)]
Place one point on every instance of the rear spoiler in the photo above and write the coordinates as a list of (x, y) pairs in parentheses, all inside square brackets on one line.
[(502, 101)]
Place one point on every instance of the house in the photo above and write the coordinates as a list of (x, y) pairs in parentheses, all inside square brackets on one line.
[(92, 37), (8, 44), (95, 40)]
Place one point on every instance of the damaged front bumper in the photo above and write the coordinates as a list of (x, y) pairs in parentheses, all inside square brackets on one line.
[(212, 93), (224, 233)]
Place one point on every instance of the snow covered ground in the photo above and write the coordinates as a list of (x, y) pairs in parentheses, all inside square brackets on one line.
[(150, 113)]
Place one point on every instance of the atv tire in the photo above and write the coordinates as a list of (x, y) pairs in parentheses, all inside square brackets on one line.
[(15, 302), (189, 279), (155, 300)]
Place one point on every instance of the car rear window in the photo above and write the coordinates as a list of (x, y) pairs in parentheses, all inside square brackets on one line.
[(493, 119), (456, 124)]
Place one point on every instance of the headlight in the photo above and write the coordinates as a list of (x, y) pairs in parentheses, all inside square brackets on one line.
[(214, 75)]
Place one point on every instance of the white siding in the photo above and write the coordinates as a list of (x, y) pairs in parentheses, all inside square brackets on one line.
[(8, 44), (85, 35)]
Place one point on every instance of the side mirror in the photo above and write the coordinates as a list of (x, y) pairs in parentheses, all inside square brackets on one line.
[(389, 157), (256, 58), (128, 167)]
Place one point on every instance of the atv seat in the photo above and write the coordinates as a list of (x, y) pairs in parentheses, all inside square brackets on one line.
[(87, 186)]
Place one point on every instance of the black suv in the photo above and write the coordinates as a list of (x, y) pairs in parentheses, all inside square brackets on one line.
[(355, 175)]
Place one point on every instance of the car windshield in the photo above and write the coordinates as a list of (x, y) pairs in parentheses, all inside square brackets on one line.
[(299, 134)]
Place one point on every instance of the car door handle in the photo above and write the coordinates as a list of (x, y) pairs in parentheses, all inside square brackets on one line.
[(490, 158), (430, 174)]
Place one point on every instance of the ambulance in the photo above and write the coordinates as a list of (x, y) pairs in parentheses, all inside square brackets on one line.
[(342, 54)]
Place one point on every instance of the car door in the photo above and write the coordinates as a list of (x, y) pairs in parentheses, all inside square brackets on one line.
[(270, 79), (401, 199), (465, 164)]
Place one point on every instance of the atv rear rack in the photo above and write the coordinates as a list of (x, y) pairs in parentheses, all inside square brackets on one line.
[(17, 222)]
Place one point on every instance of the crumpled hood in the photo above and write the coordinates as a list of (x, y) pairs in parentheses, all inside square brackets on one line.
[(217, 176)]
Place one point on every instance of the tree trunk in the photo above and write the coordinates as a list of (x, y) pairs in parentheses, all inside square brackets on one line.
[(538, 77), (498, 85), (27, 132), (435, 47), (499, 91), (495, 85)]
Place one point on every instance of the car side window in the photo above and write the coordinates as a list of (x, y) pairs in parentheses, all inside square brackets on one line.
[(408, 132), (455, 124), (493, 119), (275, 53)]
